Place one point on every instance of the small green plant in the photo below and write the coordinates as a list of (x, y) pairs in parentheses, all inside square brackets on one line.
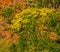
[(7, 12), (40, 3)]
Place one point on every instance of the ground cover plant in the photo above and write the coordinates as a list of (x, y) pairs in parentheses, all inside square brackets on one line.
[(30, 26)]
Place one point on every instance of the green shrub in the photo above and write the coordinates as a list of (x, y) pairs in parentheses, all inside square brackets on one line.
[(7, 12)]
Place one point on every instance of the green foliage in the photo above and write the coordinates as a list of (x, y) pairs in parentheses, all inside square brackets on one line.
[(48, 3), (34, 26), (26, 24), (30, 18), (7, 12), (40, 3), (18, 7), (58, 23), (25, 19), (31, 4), (13, 48), (7, 46), (54, 22)]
